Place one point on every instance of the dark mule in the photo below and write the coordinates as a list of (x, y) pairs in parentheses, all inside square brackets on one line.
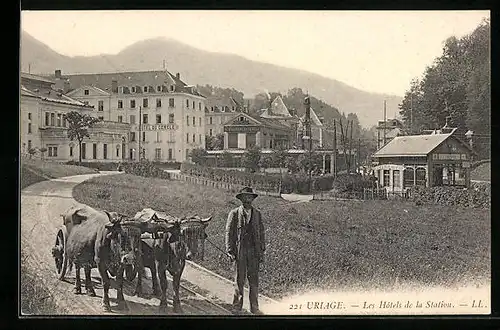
[(102, 240), (169, 252)]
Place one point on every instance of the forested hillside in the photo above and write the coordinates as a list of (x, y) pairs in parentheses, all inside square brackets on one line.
[(458, 86)]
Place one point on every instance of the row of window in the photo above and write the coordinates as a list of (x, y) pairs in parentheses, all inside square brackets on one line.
[(386, 178), (194, 138), (158, 154), (55, 119), (212, 120), (145, 104), (139, 89), (171, 138), (193, 121), (223, 109), (94, 151)]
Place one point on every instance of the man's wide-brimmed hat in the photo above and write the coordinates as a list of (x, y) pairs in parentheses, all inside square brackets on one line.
[(248, 191)]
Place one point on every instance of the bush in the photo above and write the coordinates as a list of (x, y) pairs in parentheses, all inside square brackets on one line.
[(29, 177), (451, 196), (168, 165), (100, 166), (289, 184), (351, 183), (145, 168)]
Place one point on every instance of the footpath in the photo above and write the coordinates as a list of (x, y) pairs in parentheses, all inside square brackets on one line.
[(213, 285)]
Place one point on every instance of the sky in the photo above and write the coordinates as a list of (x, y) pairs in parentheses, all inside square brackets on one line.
[(375, 51)]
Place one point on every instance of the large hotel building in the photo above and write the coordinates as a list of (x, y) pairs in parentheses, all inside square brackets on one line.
[(153, 115)]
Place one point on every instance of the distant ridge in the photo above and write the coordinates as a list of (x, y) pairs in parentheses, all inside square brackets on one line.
[(202, 67)]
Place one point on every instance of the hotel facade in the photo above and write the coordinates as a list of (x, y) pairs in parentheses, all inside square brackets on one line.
[(166, 117), (43, 127)]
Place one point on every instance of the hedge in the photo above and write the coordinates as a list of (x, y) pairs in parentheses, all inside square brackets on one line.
[(444, 195), (144, 168), (289, 184), (352, 183), (101, 166)]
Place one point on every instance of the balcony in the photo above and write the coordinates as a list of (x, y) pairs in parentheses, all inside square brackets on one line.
[(53, 132), (111, 126)]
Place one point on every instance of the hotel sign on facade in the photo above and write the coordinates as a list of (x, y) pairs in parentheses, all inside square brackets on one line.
[(159, 127), (449, 156), (241, 129)]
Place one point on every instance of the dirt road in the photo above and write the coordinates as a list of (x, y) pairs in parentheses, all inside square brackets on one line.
[(41, 206)]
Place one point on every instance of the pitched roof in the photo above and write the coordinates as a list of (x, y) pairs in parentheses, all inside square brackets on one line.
[(134, 78), (51, 95), (412, 145), (97, 89), (277, 109), (270, 123), (217, 102), (30, 76), (314, 118)]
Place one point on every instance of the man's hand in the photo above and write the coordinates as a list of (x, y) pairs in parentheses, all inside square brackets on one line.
[(231, 257), (261, 258)]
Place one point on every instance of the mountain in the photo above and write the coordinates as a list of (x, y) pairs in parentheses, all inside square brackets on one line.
[(202, 67)]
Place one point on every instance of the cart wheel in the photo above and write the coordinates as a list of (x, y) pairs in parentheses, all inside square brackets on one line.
[(59, 253)]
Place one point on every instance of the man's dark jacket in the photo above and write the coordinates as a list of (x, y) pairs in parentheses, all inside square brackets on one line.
[(234, 231)]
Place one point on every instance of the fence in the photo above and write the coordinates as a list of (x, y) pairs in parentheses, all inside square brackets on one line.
[(383, 193), (216, 184), (330, 196)]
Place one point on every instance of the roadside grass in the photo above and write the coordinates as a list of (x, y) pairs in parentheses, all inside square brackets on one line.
[(35, 297), (36, 170), (28, 177), (323, 245), (482, 172)]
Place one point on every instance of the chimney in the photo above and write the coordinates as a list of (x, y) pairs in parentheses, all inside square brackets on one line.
[(178, 75), (58, 74), (114, 86)]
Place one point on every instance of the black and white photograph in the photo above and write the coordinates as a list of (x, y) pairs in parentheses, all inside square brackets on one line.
[(254, 163)]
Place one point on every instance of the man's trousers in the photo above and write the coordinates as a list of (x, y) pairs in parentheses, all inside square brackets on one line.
[(247, 266)]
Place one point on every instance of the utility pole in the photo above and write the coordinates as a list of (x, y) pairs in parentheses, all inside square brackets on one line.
[(307, 104), (359, 154), (140, 131), (334, 149), (385, 119), (342, 141), (411, 113), (350, 149)]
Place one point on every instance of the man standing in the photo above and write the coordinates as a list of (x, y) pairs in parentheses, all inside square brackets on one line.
[(245, 244)]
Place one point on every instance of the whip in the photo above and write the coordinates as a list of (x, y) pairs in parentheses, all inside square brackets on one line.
[(218, 248)]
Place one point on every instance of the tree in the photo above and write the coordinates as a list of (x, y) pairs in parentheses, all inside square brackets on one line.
[(32, 151), (218, 142), (265, 161), (250, 159), (78, 126), (279, 158), (214, 142), (198, 156), (310, 162), (208, 142), (292, 164), (455, 88), (227, 159), (43, 150)]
